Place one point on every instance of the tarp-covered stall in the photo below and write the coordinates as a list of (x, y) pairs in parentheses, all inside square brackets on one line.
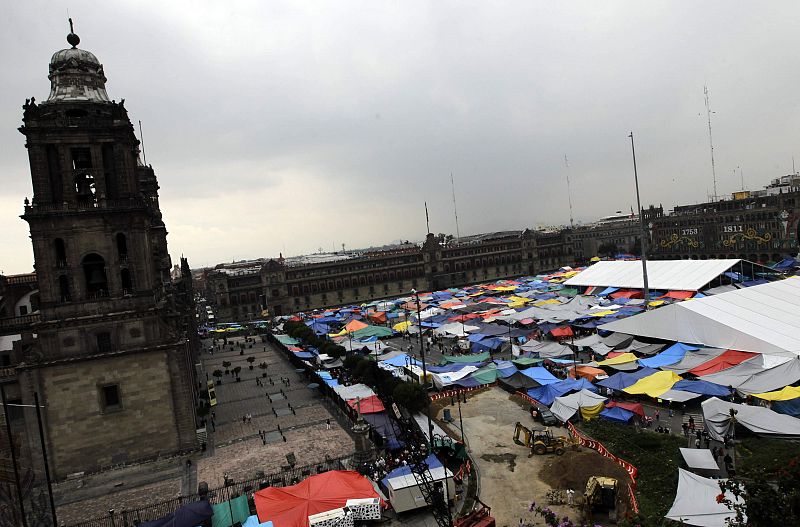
[(696, 502), (762, 421)]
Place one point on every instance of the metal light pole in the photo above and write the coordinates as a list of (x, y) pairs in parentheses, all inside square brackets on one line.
[(424, 368), (44, 458), (641, 222), (13, 457)]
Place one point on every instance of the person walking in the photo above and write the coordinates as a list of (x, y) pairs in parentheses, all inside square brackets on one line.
[(327, 424), (658, 414)]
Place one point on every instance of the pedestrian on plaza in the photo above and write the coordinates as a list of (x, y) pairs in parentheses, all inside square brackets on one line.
[(697, 443), (728, 460), (685, 428), (658, 414), (691, 423), (327, 424), (570, 497)]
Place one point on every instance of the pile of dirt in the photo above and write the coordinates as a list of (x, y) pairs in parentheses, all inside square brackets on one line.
[(571, 470)]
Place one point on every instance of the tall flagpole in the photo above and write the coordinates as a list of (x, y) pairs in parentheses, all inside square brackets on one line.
[(455, 208), (427, 220), (644, 232)]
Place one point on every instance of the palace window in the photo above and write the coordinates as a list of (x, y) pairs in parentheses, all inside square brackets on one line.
[(110, 397)]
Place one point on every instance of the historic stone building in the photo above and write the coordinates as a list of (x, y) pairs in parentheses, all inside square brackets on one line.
[(248, 290), (110, 352), (759, 226)]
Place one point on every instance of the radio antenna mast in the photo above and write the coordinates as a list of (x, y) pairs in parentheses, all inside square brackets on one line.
[(455, 208), (711, 141), (569, 193)]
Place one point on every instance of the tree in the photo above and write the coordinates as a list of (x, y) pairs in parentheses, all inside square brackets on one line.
[(351, 361), (767, 498), (608, 249), (410, 395), (263, 367), (251, 360), (218, 375), (227, 366), (236, 371)]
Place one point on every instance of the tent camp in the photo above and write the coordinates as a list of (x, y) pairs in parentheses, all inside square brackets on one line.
[(291, 506), (762, 319), (762, 421), (696, 502), (752, 376)]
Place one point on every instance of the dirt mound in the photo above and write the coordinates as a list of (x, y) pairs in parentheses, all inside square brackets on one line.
[(571, 470)]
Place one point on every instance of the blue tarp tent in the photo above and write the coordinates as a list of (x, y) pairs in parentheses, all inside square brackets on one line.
[(702, 387), (401, 360), (432, 461), (790, 407), (386, 427), (617, 414), (486, 345), (190, 515), (672, 355), (505, 368), (540, 375), (252, 521), (476, 337), (548, 393), (318, 327), (621, 380)]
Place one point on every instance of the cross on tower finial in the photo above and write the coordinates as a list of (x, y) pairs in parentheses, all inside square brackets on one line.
[(70, 26), (72, 38)]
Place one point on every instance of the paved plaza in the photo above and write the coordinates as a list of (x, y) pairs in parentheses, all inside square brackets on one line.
[(290, 416)]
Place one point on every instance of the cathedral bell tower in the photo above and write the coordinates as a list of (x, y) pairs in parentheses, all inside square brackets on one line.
[(114, 375)]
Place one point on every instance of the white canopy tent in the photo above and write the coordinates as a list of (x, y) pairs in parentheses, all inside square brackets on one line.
[(696, 502), (568, 405), (761, 319), (669, 275), (762, 421), (699, 458)]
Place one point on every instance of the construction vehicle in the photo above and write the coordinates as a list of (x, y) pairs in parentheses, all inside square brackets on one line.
[(539, 441), (601, 495)]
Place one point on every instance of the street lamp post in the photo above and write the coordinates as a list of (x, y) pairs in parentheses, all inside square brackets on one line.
[(641, 223), (424, 368)]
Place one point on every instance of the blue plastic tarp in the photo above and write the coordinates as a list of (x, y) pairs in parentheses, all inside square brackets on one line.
[(190, 515), (486, 345), (608, 291), (789, 407), (548, 393), (672, 355), (432, 461), (621, 380), (476, 337), (252, 521), (386, 427), (540, 375), (702, 387), (505, 368), (303, 355), (617, 414), (401, 360)]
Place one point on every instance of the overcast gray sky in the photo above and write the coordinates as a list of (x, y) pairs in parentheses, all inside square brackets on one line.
[(290, 126)]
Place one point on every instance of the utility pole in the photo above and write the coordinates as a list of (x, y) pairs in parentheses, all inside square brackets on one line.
[(641, 221), (711, 141)]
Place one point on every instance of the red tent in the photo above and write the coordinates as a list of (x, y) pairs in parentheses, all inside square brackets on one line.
[(678, 295), (369, 405), (563, 331), (627, 294), (636, 408), (728, 359), (291, 506)]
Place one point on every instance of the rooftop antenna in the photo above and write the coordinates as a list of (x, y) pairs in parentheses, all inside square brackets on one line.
[(569, 193), (741, 175), (793, 169), (455, 208), (141, 137), (711, 141), (427, 219)]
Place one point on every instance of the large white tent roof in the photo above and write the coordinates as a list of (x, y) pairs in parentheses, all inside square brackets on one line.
[(671, 275), (761, 319), (696, 502)]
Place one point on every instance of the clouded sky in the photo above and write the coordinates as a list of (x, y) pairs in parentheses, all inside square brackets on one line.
[(290, 126)]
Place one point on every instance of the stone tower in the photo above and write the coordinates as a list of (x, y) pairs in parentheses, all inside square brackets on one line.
[(112, 362)]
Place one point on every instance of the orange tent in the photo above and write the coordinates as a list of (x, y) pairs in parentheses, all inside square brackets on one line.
[(355, 325), (378, 317), (587, 372), (291, 506)]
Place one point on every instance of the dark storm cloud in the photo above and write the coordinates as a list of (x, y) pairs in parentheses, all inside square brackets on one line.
[(293, 126)]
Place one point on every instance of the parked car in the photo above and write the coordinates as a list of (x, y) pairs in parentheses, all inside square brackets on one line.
[(543, 415)]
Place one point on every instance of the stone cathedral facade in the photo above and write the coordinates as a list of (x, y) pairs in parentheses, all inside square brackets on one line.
[(111, 354)]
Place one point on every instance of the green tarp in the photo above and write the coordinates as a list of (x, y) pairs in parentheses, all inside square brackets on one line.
[(524, 362), (473, 357), (228, 513), (486, 375), (372, 331), (286, 340)]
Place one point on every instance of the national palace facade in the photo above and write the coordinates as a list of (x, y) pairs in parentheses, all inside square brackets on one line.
[(759, 226)]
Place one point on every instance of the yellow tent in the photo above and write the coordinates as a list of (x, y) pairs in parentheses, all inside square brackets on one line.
[(402, 326), (784, 394), (590, 412), (549, 301), (654, 385), (619, 359), (603, 313), (353, 325), (655, 303), (595, 259)]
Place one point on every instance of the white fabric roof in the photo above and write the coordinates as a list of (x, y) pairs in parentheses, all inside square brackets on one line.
[(751, 376), (408, 480), (699, 458), (678, 396), (566, 406), (456, 329), (353, 392), (681, 275), (696, 502), (760, 420), (761, 319)]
